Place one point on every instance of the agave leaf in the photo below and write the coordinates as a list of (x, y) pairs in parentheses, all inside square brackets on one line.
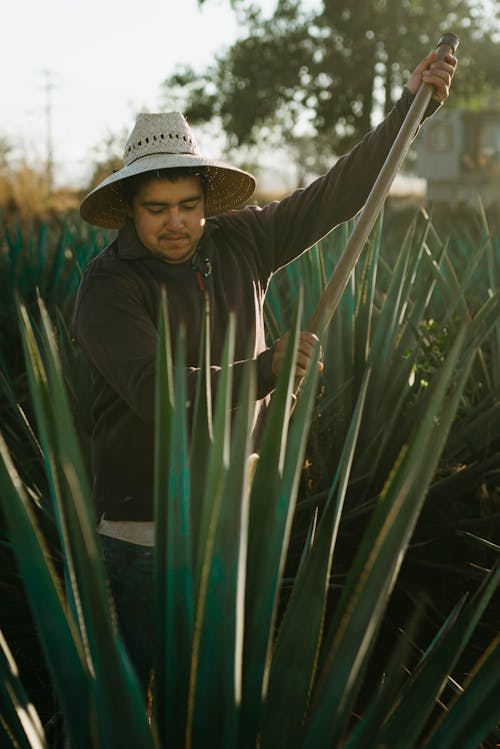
[(480, 428), (58, 635), (346, 311), (364, 312), (494, 286), (447, 280), (374, 438), (20, 415), (173, 570), (76, 373), (54, 269), (466, 280), (219, 675), (38, 385), (384, 333), (310, 274), (164, 403), (19, 719), (57, 436), (115, 684), (271, 509), (450, 285), (485, 324), (474, 713), (216, 468), (164, 414), (366, 730), (116, 687), (480, 327), (485, 320), (211, 507), (377, 563), (318, 277), (202, 427), (493, 269), (295, 653), (389, 388), (482, 541), (416, 299), (338, 371), (407, 722), (272, 316), (339, 349)]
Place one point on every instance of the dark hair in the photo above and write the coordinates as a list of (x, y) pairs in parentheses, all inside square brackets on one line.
[(130, 186)]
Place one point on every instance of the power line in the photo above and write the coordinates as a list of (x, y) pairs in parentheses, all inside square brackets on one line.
[(49, 164)]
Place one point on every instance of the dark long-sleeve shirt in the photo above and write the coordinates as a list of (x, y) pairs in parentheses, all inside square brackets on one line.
[(119, 299)]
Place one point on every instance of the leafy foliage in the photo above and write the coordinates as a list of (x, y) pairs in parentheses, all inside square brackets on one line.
[(226, 706), (280, 636), (334, 68), (384, 321)]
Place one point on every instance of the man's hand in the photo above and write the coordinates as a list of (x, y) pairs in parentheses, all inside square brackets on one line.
[(438, 74), (305, 354)]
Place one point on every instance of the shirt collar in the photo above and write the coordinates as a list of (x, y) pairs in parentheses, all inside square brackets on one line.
[(130, 246)]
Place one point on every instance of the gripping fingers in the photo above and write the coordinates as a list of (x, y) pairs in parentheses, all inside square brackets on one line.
[(307, 352), (437, 73), (440, 75), (305, 355)]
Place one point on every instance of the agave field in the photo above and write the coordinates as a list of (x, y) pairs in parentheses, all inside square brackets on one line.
[(339, 589)]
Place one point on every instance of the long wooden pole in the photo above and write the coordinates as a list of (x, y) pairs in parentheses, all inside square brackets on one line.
[(340, 277)]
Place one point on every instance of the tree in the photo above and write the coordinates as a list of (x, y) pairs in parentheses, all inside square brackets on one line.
[(108, 157), (335, 71)]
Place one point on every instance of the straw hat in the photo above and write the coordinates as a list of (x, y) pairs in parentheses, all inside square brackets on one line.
[(165, 141)]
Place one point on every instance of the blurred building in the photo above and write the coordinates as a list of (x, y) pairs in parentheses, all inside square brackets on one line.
[(458, 153)]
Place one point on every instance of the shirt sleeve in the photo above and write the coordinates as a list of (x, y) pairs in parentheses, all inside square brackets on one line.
[(283, 229)]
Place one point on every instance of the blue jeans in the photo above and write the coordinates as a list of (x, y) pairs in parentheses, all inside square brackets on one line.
[(130, 574)]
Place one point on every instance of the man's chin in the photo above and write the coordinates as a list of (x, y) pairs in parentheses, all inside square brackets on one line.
[(181, 246), (174, 254)]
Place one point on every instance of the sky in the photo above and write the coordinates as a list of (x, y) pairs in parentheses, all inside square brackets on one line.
[(105, 61), (99, 63)]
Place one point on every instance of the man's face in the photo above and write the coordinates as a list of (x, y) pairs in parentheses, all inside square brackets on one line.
[(169, 217)]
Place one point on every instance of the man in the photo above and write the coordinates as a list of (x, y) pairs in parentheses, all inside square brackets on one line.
[(178, 230)]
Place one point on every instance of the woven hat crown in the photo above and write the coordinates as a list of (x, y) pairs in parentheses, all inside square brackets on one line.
[(165, 133), (165, 141)]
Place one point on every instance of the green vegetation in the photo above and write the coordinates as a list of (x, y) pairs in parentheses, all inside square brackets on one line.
[(338, 591), (328, 71)]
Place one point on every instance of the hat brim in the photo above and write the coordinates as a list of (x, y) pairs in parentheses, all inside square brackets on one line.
[(226, 187)]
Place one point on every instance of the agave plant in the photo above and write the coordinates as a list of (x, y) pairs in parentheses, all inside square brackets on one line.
[(232, 669), (40, 260), (46, 259), (398, 318)]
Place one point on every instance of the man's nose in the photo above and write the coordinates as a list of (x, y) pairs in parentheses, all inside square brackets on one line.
[(174, 217)]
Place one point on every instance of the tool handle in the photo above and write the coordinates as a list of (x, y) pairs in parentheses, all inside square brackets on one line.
[(447, 40), (339, 279)]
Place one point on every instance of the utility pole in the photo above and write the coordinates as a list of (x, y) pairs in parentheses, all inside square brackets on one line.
[(49, 88)]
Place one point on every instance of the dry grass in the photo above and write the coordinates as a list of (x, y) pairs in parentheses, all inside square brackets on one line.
[(24, 194)]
